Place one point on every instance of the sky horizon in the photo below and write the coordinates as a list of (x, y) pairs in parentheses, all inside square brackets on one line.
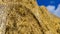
[(52, 5)]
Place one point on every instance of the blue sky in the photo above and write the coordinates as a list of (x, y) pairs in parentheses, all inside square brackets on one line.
[(52, 5)]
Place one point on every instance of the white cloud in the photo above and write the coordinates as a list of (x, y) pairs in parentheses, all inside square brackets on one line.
[(57, 11), (52, 10)]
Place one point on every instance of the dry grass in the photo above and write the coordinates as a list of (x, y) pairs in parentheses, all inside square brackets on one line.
[(25, 17)]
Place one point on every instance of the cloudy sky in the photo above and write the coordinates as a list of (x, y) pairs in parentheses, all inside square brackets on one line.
[(52, 5)]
